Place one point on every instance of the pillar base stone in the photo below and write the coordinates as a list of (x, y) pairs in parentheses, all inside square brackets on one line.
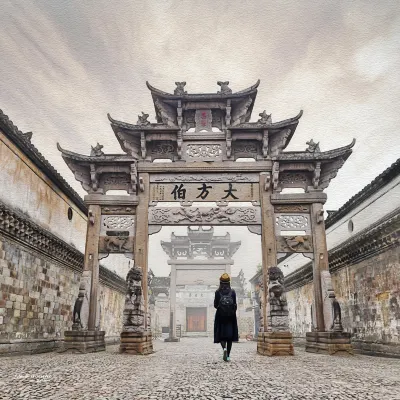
[(140, 343), (332, 343), (275, 344), (172, 339), (83, 342)]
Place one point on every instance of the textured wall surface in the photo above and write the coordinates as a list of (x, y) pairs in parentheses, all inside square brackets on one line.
[(37, 298), (24, 187), (369, 295)]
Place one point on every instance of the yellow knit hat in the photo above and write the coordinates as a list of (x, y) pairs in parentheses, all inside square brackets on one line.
[(225, 278)]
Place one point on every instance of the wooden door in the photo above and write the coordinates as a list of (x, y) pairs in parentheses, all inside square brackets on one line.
[(196, 319)]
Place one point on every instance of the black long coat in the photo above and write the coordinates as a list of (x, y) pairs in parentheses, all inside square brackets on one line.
[(225, 328)]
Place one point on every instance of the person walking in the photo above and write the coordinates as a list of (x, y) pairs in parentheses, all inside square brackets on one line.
[(225, 323)]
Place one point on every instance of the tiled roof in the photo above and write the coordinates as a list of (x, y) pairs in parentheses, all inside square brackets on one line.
[(22, 141), (381, 180)]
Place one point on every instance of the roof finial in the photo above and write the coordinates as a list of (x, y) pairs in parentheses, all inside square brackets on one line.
[(225, 89), (313, 147), (96, 151), (265, 118), (180, 88), (142, 119)]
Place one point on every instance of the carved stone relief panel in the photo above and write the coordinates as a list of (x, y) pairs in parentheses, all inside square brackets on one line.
[(295, 180), (162, 149), (292, 222), (211, 151), (294, 244), (246, 149), (120, 210), (205, 215), (116, 234), (115, 181)]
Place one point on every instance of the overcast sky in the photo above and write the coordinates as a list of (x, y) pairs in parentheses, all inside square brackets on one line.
[(66, 63)]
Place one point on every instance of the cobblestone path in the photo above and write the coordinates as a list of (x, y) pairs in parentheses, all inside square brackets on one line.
[(194, 369)]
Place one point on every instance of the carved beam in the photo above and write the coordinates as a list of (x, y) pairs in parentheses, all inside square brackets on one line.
[(205, 216)]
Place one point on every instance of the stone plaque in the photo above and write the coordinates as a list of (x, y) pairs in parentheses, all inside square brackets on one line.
[(292, 208), (203, 120), (204, 191), (206, 177), (294, 244), (204, 215)]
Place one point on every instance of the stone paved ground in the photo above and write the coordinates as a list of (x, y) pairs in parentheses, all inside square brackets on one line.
[(194, 369)]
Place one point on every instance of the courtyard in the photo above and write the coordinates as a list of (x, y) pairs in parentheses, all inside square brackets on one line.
[(194, 369)]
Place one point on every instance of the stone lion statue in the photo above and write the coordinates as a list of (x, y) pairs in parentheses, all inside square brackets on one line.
[(276, 288)]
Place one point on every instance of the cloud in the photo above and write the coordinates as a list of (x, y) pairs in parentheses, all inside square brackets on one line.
[(65, 64)]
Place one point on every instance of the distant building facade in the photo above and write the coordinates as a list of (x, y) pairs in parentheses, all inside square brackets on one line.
[(184, 301)]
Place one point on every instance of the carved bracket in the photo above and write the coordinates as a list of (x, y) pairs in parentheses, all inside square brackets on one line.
[(257, 229), (320, 216), (265, 143), (94, 178), (317, 175), (228, 143), (275, 175), (267, 185), (141, 184), (143, 145)]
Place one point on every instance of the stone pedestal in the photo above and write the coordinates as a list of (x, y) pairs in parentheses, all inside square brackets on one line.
[(172, 339), (275, 344), (83, 341), (136, 343), (332, 343)]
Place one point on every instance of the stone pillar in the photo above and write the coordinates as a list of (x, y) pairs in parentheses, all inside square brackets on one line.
[(323, 338), (273, 340), (90, 338), (172, 302)]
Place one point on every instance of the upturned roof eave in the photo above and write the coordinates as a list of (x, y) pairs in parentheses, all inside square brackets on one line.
[(202, 96), (270, 127), (343, 152)]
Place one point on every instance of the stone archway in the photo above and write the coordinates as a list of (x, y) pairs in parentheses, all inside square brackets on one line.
[(204, 169)]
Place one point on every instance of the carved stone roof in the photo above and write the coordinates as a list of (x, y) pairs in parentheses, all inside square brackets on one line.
[(203, 96), (380, 181), (270, 126), (115, 124), (343, 152), (105, 158), (22, 141)]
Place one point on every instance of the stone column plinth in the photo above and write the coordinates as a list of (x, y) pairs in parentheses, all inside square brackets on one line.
[(136, 343), (83, 341), (329, 343), (275, 344)]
